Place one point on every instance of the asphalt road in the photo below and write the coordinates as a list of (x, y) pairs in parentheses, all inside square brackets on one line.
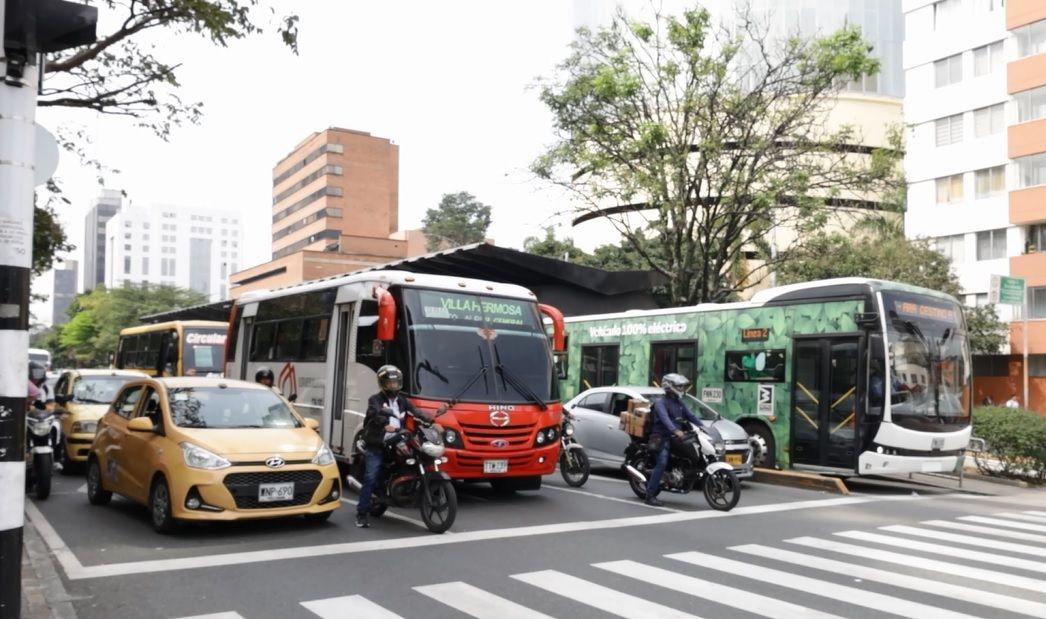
[(887, 550)]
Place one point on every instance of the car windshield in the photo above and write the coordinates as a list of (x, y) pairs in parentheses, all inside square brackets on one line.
[(97, 389), (697, 407), (229, 407), (204, 351)]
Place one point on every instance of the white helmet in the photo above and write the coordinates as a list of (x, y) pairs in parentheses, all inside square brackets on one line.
[(675, 383)]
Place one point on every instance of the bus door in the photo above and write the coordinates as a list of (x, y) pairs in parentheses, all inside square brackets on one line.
[(824, 415), (358, 355)]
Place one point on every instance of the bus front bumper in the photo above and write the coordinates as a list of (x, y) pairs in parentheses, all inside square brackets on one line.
[(872, 463), (464, 464)]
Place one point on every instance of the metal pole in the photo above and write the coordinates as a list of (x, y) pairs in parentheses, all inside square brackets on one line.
[(17, 153), (1024, 336)]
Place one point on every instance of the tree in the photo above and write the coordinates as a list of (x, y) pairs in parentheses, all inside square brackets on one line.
[(712, 139), (460, 219), (48, 238), (551, 247), (99, 315)]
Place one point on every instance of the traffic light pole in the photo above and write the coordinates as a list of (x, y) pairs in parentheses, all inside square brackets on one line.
[(17, 150)]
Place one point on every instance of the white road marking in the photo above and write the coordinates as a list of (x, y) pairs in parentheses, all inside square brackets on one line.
[(605, 478), (1026, 517), (814, 586), (922, 585), (72, 566), (348, 607), (961, 553), (395, 516), (1005, 523), (597, 596), (226, 615), (969, 540), (714, 592), (616, 499), (1035, 513), (82, 489), (933, 565), (478, 603), (959, 526)]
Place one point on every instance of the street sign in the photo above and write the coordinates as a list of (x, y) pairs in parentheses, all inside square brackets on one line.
[(1007, 290)]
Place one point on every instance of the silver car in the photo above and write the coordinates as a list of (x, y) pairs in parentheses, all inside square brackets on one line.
[(597, 412)]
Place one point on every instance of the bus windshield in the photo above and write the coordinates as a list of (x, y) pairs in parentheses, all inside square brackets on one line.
[(203, 351), (930, 374), (476, 348)]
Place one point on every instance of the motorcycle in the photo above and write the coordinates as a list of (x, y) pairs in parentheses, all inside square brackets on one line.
[(694, 459), (39, 450), (411, 477), (573, 461)]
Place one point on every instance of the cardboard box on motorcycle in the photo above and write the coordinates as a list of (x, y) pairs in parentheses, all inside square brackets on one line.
[(633, 419)]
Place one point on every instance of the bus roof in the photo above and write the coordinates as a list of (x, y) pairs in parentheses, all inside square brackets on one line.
[(402, 278), (172, 324)]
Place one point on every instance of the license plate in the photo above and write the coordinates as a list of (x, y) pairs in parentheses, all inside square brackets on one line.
[(269, 493), (733, 459), (495, 466)]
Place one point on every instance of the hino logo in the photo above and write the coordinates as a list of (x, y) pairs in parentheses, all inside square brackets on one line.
[(499, 418), (499, 443), (275, 462)]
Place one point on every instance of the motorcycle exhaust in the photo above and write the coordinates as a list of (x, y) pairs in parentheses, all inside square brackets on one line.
[(631, 470), (355, 485)]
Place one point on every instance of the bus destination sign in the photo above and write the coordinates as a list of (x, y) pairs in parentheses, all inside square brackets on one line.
[(755, 334), (925, 310), (473, 309)]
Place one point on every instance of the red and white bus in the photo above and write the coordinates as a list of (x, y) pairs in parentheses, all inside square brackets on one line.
[(479, 345)]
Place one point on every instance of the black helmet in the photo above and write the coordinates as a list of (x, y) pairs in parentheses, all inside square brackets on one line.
[(675, 383), (390, 379), (37, 373), (264, 373)]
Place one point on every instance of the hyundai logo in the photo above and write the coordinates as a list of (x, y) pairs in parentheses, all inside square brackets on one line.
[(275, 462), (499, 418), (499, 443)]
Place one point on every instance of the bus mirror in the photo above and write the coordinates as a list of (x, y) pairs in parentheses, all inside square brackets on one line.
[(561, 365), (558, 328), (386, 325), (867, 320)]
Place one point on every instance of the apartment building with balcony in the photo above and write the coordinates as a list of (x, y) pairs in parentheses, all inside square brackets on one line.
[(975, 102)]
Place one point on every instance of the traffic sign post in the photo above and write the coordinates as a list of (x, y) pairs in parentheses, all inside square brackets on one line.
[(1010, 291)]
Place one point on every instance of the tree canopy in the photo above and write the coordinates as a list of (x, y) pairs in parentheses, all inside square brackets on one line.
[(460, 219)]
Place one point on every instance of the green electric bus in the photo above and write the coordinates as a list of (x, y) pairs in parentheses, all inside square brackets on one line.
[(850, 375)]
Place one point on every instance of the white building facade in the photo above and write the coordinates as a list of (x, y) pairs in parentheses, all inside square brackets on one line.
[(192, 248)]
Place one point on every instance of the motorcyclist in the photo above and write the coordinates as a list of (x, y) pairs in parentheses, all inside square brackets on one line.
[(265, 376), (386, 413), (667, 412), (38, 376)]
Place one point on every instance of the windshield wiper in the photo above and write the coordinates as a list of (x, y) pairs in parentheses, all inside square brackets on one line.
[(482, 372), (517, 384)]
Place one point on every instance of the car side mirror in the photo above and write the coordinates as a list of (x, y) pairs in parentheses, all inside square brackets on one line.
[(141, 424), (312, 424)]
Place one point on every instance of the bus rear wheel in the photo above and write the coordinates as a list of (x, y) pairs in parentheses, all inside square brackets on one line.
[(763, 446)]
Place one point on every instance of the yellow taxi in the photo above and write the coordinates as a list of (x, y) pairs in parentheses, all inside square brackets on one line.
[(193, 448), (81, 398)]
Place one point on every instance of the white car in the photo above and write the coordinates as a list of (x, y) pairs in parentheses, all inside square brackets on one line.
[(597, 413)]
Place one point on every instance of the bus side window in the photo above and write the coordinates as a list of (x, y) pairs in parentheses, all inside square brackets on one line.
[(876, 376), (369, 349), (262, 341)]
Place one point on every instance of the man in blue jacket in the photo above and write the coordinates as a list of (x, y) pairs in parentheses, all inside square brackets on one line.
[(668, 412)]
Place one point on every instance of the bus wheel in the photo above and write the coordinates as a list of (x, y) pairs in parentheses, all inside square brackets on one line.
[(761, 440)]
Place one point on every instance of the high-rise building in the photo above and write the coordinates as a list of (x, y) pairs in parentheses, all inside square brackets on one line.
[(193, 248), (64, 292), (104, 207), (976, 161), (335, 208)]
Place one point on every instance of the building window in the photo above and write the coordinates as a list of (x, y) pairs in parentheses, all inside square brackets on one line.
[(1036, 365), (991, 244), (145, 237), (225, 269), (1032, 170), (953, 247), (987, 6), (987, 59), (990, 181), (947, 71), (1036, 238), (145, 225), (1031, 104), (1031, 39), (1037, 302), (127, 224), (145, 265), (145, 249), (126, 265), (988, 120), (127, 248), (949, 189), (948, 130), (946, 13), (598, 366), (127, 235)]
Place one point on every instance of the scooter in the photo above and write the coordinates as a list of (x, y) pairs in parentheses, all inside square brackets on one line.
[(39, 451)]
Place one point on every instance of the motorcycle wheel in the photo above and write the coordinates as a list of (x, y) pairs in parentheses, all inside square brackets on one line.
[(377, 509), (574, 466), (42, 468), (638, 488), (439, 506), (722, 490)]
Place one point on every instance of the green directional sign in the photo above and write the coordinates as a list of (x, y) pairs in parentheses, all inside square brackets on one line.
[(1008, 290)]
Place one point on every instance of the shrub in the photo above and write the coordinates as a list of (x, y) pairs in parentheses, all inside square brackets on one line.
[(1016, 438)]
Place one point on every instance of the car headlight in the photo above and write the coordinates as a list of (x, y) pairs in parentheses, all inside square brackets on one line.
[(323, 456), (434, 450), (568, 429), (720, 447), (199, 458), (85, 427)]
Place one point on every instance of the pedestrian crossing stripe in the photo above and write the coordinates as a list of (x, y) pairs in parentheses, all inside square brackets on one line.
[(1001, 522), (481, 604)]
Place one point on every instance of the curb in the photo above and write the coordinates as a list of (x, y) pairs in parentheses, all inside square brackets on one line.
[(1016, 483), (43, 594), (797, 479)]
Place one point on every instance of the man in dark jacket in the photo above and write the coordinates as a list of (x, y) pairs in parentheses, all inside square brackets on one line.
[(666, 411)]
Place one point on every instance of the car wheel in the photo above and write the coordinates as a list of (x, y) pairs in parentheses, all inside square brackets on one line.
[(160, 506), (762, 442), (96, 492)]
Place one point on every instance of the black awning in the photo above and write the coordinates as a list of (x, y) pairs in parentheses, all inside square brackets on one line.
[(209, 311)]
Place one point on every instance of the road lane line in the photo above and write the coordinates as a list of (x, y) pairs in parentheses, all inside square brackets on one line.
[(905, 581), (1024, 517), (714, 592), (1034, 513), (934, 565), (226, 615), (478, 603), (959, 526), (348, 607), (961, 553), (617, 499), (597, 596), (1005, 523), (969, 540), (823, 588), (393, 515)]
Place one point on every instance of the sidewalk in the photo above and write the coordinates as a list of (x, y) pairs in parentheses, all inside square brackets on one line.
[(43, 594)]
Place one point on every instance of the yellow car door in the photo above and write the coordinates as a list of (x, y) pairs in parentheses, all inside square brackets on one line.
[(139, 448), (113, 460)]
